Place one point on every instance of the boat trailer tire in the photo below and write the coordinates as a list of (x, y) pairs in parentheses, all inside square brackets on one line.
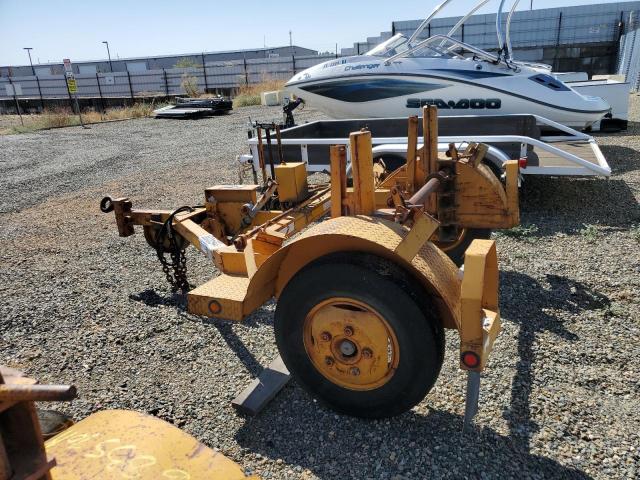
[(455, 250), (359, 334), (393, 161)]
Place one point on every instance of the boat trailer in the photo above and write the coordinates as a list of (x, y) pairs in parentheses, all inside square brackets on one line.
[(363, 296)]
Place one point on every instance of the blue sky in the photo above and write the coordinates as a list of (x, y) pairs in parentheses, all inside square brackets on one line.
[(76, 29)]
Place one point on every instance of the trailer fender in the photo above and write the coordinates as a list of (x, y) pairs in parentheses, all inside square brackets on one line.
[(437, 274)]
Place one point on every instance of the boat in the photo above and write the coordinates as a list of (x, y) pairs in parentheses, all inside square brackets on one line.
[(401, 75), (195, 108)]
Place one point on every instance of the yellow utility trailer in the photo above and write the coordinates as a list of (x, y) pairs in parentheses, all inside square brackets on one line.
[(364, 296)]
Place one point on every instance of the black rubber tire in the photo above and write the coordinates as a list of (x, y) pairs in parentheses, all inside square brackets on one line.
[(457, 253), (391, 160), (495, 169), (388, 289)]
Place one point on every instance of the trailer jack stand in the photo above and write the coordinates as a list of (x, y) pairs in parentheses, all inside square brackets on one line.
[(471, 402)]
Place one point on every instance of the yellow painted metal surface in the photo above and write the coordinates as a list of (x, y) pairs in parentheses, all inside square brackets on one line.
[(431, 267), (480, 313), (292, 181), (226, 296), (232, 193), (481, 199), (118, 444), (362, 170), (351, 344), (423, 227)]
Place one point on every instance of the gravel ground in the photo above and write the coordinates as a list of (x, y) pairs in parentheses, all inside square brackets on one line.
[(81, 305)]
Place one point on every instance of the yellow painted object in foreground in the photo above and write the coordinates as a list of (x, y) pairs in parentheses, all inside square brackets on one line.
[(120, 444), (111, 444)]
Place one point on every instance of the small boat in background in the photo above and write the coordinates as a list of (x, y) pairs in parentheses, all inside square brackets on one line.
[(195, 108)]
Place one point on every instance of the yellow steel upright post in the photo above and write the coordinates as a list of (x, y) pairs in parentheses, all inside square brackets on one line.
[(362, 166), (429, 157), (430, 130), (412, 153), (338, 156)]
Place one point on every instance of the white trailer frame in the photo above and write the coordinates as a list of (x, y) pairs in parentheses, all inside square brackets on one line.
[(573, 165)]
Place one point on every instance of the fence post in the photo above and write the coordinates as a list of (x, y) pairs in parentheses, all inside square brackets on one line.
[(246, 74), (204, 69), (104, 110), (69, 93), (40, 92), (166, 83), (130, 87), (15, 99), (555, 57)]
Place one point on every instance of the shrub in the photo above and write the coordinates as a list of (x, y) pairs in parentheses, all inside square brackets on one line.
[(250, 94), (189, 84)]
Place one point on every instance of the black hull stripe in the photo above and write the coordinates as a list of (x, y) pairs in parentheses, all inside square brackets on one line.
[(358, 90), (449, 79)]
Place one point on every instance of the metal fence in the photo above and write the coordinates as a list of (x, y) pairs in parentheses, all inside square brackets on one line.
[(221, 76), (629, 59), (562, 26)]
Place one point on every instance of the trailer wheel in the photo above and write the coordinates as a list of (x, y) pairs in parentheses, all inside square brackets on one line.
[(357, 334), (455, 250)]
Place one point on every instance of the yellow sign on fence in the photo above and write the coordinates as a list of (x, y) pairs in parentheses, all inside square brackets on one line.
[(73, 87)]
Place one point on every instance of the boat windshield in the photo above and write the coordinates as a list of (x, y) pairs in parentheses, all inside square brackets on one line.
[(396, 44)]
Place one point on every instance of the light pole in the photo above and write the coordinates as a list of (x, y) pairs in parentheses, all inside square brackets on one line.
[(33, 70), (109, 55)]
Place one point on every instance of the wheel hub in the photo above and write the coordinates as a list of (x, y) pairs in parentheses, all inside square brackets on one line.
[(348, 348), (351, 344)]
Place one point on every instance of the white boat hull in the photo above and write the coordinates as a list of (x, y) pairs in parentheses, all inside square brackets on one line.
[(456, 87)]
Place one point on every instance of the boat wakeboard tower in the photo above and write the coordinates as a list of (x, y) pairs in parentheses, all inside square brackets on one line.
[(401, 75)]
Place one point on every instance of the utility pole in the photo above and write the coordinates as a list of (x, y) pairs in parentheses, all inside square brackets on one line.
[(28, 49), (290, 39), (109, 55)]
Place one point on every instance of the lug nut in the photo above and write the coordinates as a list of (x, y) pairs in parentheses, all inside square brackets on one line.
[(355, 371), (326, 336), (367, 353), (348, 331), (328, 361)]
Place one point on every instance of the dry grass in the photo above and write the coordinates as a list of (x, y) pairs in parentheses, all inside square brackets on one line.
[(64, 117), (250, 94), (189, 84)]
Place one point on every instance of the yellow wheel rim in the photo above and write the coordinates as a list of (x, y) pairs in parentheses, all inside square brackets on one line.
[(351, 344), (446, 246)]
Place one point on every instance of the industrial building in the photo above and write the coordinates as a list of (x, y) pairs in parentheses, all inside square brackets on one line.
[(582, 38), (142, 64)]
